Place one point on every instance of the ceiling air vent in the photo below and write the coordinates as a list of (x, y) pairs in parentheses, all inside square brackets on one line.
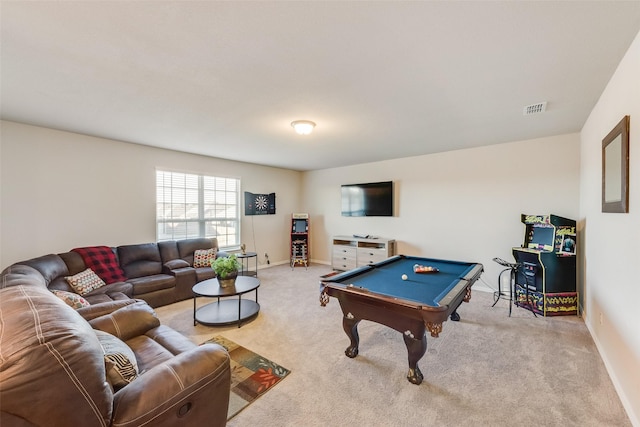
[(534, 108)]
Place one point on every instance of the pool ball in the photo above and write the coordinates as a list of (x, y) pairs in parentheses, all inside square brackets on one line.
[(404, 277)]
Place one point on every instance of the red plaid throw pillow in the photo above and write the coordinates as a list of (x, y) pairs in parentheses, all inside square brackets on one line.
[(103, 262)]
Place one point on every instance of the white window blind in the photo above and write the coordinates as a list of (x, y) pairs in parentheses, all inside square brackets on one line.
[(190, 205)]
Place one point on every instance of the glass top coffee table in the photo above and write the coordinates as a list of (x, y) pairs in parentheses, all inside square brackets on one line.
[(225, 311)]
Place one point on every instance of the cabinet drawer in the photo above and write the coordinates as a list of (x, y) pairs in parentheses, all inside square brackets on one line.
[(371, 255), (344, 251), (343, 264), (344, 258)]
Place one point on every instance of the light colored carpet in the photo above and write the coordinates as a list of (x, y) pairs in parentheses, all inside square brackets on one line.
[(488, 369)]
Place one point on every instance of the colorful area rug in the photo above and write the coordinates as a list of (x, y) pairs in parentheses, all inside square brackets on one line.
[(251, 375)]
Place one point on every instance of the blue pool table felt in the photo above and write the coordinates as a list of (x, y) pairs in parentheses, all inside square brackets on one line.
[(385, 278)]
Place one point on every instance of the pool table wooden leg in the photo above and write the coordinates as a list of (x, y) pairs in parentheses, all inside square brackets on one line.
[(350, 326), (454, 315), (416, 348)]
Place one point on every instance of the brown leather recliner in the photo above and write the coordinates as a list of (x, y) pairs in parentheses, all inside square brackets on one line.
[(52, 365), (178, 255), (142, 265)]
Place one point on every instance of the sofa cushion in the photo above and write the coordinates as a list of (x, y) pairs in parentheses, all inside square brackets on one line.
[(98, 298), (157, 346), (106, 307), (50, 267), (74, 261), (170, 339), (168, 250), (140, 260), (204, 273), (150, 352), (128, 321), (187, 247), (203, 257), (85, 281), (147, 284), (103, 261), (74, 301), (22, 273), (120, 360)]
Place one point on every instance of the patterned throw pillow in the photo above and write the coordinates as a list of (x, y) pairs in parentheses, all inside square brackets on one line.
[(85, 281), (72, 300), (120, 361), (203, 257)]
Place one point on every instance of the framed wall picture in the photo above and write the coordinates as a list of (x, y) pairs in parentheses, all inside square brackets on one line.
[(615, 169)]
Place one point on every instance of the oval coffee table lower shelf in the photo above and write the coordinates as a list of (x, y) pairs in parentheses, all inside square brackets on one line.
[(225, 311)]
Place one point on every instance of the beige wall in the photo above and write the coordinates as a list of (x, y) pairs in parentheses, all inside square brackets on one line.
[(612, 241), (463, 205), (61, 190)]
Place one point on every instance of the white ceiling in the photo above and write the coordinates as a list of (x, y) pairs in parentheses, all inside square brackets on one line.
[(382, 80)]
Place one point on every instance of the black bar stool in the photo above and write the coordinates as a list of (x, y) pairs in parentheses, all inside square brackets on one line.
[(512, 268)]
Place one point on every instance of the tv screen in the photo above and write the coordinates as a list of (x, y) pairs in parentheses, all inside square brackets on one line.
[(299, 226), (371, 199)]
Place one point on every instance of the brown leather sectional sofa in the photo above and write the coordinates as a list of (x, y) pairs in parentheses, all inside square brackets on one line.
[(54, 369), (158, 273)]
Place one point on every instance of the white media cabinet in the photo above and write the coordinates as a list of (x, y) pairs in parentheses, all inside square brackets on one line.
[(350, 252)]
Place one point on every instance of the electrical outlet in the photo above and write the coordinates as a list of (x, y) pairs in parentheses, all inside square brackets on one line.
[(601, 318)]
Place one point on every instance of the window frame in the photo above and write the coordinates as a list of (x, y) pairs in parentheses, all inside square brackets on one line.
[(220, 188)]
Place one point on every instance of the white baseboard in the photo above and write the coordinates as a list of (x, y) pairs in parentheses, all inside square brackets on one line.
[(626, 403), (478, 286)]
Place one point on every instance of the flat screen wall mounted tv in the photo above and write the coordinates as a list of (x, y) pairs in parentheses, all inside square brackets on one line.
[(369, 199)]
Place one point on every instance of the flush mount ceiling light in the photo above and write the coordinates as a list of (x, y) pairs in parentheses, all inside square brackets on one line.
[(303, 127)]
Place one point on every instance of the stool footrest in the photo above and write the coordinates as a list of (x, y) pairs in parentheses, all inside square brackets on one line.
[(511, 268)]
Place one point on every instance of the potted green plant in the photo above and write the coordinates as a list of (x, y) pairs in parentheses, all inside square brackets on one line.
[(226, 269)]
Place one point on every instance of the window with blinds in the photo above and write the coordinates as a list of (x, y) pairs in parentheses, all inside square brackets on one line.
[(190, 205)]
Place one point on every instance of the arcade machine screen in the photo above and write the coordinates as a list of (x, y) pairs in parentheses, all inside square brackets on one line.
[(541, 238)]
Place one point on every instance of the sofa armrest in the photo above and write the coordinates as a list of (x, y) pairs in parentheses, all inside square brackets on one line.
[(191, 388), (181, 274), (97, 310), (176, 264), (128, 322)]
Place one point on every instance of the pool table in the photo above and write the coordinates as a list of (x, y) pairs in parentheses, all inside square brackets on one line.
[(410, 305)]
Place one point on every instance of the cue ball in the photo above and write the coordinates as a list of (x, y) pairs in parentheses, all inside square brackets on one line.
[(404, 277)]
